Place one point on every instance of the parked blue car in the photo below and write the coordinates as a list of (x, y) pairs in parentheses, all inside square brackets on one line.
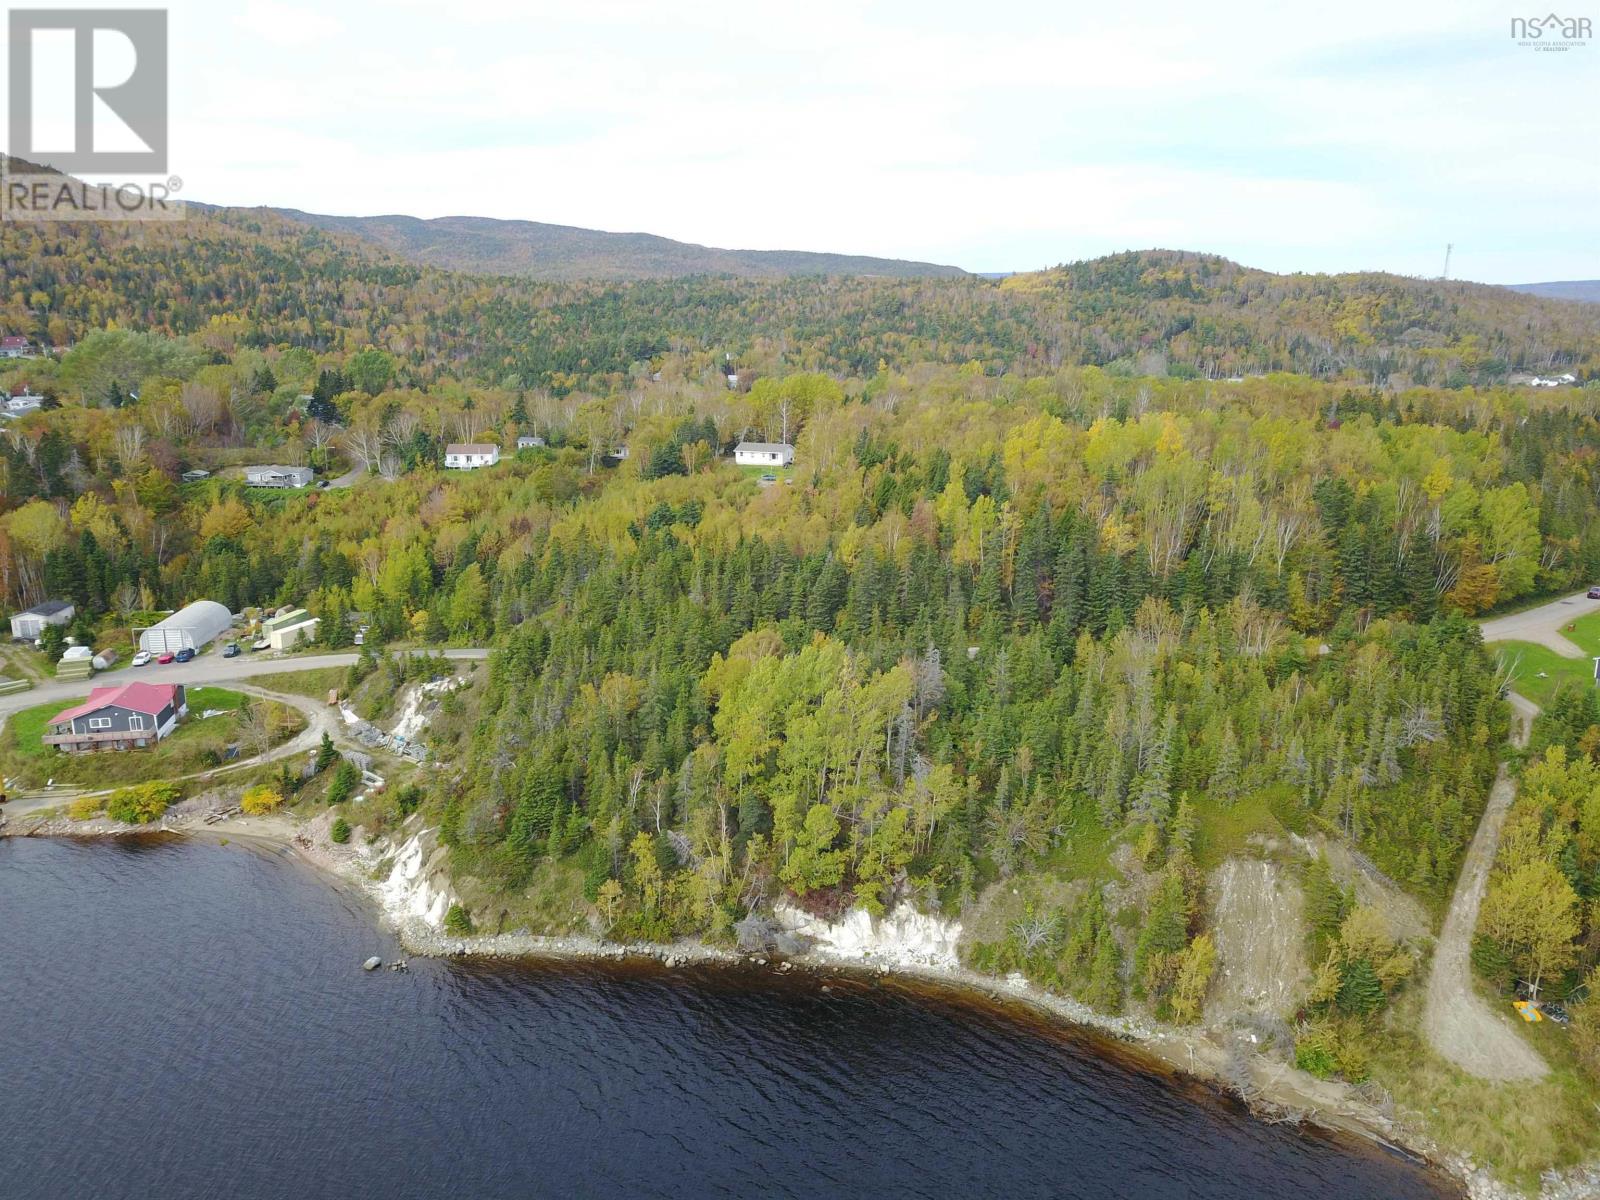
[(184, 655)]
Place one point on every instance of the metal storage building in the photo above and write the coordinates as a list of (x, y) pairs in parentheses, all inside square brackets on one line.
[(191, 627)]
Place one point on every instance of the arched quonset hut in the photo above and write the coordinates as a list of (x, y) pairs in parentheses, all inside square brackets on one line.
[(191, 627)]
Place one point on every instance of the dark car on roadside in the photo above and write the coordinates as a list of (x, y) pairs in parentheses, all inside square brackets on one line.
[(231, 650), (1594, 593), (184, 655)]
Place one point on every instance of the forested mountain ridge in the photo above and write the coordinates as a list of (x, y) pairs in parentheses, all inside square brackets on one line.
[(1567, 289), (256, 278), (537, 250)]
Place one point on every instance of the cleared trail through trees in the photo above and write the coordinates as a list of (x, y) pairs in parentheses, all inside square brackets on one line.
[(1456, 1020)]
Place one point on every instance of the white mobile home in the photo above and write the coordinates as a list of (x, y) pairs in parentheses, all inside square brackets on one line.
[(22, 402), (279, 477), (763, 454)]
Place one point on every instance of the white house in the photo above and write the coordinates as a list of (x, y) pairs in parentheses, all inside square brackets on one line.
[(528, 441), (763, 454), (15, 347), (279, 477), (1536, 381), (29, 625), (469, 456)]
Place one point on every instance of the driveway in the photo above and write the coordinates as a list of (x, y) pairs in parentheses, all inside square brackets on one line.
[(208, 668), (1543, 625), (1458, 1022), (319, 720)]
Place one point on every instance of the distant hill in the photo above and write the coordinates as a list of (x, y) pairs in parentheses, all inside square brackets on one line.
[(532, 249), (1566, 289), (1207, 314), (268, 278)]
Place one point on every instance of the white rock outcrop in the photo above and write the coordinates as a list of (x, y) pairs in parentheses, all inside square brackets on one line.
[(418, 887), (904, 937)]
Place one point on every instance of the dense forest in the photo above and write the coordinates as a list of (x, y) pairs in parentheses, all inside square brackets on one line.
[(1073, 590)]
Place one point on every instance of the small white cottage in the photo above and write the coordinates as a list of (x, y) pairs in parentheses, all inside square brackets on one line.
[(469, 456)]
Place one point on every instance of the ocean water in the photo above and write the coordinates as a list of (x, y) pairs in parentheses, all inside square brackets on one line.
[(182, 1019)]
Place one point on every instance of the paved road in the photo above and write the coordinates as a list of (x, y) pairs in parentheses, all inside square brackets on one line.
[(1543, 625), (208, 668)]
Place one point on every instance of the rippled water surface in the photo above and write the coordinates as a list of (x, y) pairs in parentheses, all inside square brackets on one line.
[(180, 1019)]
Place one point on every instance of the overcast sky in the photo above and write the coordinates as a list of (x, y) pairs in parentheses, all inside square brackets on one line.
[(994, 135)]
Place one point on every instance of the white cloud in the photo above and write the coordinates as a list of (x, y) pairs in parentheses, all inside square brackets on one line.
[(1291, 138)]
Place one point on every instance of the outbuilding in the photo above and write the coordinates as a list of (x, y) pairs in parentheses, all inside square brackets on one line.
[(29, 626), (190, 628), (287, 637)]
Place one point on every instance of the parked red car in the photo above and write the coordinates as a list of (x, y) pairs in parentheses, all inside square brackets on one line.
[(164, 659)]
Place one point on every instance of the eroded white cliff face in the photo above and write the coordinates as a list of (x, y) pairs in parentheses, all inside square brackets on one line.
[(903, 937), (418, 886)]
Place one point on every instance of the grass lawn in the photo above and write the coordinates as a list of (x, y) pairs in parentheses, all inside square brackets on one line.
[(755, 473), (1537, 671), (315, 683), (196, 745), (1515, 1128), (202, 698)]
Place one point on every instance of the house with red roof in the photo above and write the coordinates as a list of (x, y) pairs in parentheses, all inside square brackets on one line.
[(15, 347), (130, 717)]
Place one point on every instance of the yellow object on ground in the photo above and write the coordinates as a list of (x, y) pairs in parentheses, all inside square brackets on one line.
[(1529, 1012)]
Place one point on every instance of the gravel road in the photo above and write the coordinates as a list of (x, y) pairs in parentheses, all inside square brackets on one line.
[(1542, 625)]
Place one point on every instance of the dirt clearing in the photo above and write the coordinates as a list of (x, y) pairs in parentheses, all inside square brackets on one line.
[(1260, 939)]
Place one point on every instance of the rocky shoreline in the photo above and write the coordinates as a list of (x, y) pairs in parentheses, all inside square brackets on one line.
[(411, 891)]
